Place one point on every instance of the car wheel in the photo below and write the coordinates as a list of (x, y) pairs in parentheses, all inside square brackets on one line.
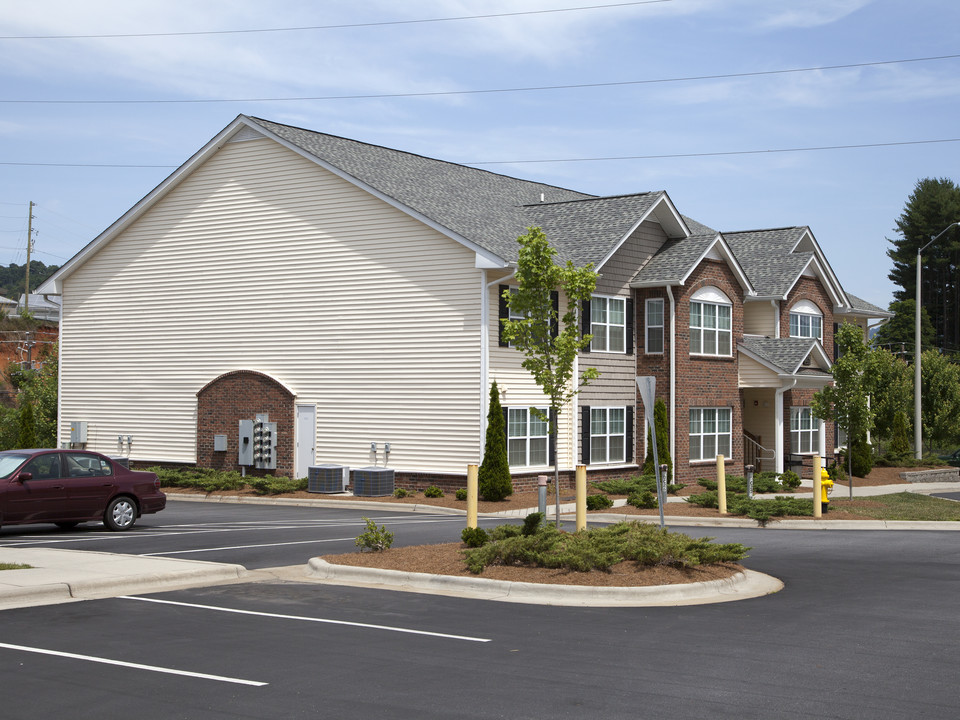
[(66, 525), (121, 514)]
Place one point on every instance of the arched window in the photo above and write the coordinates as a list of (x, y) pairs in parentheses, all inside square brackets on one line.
[(806, 320), (711, 323)]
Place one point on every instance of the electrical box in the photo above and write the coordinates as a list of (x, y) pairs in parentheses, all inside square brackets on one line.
[(245, 453), (264, 443), (219, 443), (78, 431)]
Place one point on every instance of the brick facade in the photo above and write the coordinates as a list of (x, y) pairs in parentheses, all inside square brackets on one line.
[(241, 395)]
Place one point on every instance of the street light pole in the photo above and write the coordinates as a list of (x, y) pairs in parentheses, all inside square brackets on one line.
[(917, 427)]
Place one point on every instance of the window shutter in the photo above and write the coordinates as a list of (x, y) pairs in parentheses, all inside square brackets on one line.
[(555, 325), (629, 330), (506, 428), (552, 441), (585, 434), (504, 314), (836, 349), (629, 454), (585, 322)]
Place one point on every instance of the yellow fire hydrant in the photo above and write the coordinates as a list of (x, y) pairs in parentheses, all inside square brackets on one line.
[(826, 487)]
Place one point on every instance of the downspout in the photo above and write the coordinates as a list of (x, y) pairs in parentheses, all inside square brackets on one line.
[(673, 384), (776, 319), (778, 409), (485, 352)]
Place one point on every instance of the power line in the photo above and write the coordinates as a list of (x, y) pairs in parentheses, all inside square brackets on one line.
[(717, 154), (487, 91), (585, 159), (344, 26)]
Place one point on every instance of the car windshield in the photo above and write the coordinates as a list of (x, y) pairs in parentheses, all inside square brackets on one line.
[(9, 463)]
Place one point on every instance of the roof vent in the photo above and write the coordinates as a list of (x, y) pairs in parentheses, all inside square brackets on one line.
[(542, 197)]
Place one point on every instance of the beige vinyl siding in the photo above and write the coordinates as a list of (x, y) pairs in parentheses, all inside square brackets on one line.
[(754, 374), (262, 260), (760, 318)]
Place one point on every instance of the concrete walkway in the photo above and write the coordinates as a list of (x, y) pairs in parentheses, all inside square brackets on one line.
[(58, 576)]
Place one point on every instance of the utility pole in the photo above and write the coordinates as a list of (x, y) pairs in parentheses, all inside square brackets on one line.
[(26, 293)]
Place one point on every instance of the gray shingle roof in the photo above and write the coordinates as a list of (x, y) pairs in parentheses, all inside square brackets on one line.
[(674, 260), (862, 306), (786, 354), (766, 258), (585, 228)]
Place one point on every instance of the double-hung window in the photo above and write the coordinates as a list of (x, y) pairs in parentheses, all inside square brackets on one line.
[(608, 324), (711, 328), (526, 438), (806, 321), (608, 435), (709, 433), (654, 326), (804, 431)]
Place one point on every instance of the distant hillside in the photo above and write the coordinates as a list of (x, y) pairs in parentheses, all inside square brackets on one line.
[(13, 277)]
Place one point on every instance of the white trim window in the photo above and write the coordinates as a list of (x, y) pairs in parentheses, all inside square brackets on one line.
[(608, 324), (804, 431), (608, 435), (711, 318), (710, 433), (806, 320), (527, 438), (654, 326)]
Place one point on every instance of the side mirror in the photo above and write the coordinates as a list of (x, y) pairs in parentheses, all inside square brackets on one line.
[(24, 476)]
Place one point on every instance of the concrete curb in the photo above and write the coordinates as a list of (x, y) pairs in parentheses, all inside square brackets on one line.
[(58, 576), (567, 509), (742, 586)]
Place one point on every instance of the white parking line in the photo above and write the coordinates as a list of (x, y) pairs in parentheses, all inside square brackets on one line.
[(243, 547), (369, 626), (135, 666)]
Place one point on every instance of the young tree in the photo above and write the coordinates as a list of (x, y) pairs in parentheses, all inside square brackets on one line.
[(38, 390), (550, 344), (845, 402), (663, 441), (493, 478), (892, 392), (940, 388)]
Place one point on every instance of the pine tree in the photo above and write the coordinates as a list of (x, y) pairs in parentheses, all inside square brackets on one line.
[(27, 436), (663, 441), (493, 478)]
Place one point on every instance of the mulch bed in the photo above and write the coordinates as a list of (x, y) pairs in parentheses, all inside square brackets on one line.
[(446, 559)]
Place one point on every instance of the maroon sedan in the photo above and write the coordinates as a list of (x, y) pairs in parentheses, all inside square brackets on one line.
[(68, 487)]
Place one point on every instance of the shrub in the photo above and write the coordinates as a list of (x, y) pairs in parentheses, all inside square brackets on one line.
[(789, 479), (203, 479), (433, 492), (638, 483), (862, 458), (643, 499), (374, 538), (533, 523), (598, 502), (474, 537), (493, 477), (400, 493), (763, 510), (461, 494), (899, 442), (276, 485), (837, 473), (660, 421), (601, 548)]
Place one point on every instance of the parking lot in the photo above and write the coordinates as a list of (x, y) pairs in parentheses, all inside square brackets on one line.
[(865, 627)]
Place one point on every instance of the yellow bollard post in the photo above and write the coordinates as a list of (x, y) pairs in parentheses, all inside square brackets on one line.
[(817, 488), (721, 485), (471, 496), (581, 497)]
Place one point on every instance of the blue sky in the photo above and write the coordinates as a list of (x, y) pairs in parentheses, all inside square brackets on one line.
[(849, 197)]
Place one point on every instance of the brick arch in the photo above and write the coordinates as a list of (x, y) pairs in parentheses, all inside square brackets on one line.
[(241, 395)]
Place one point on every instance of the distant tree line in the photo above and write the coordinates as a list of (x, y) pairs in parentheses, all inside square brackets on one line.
[(13, 277)]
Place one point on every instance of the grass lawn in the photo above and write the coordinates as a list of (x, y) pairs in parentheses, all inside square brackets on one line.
[(899, 506), (14, 566)]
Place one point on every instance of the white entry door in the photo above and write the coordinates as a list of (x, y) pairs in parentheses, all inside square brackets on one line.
[(306, 438)]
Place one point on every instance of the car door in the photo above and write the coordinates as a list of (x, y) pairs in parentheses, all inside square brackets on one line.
[(90, 482), (41, 498)]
